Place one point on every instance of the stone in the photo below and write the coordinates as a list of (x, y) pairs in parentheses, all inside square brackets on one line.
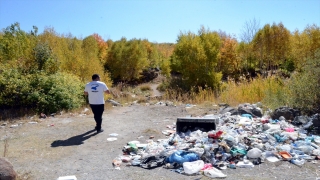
[(6, 170)]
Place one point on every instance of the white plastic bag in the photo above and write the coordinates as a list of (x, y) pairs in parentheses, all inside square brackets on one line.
[(214, 173), (254, 153), (193, 167)]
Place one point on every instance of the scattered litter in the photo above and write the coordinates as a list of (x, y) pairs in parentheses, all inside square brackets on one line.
[(85, 110), (111, 139), (234, 138), (245, 164), (32, 122), (272, 159), (117, 163), (214, 173), (14, 126), (168, 132), (113, 134), (43, 116), (113, 102), (189, 105), (67, 178)]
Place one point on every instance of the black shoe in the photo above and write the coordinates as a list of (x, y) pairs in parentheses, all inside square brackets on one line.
[(99, 131)]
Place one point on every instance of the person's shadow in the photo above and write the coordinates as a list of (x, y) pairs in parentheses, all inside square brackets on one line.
[(75, 140)]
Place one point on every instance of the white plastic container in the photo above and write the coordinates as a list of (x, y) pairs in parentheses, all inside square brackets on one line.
[(242, 164)]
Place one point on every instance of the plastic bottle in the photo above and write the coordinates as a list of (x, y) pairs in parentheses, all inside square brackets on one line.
[(225, 156), (171, 140), (314, 145), (213, 159), (306, 149), (271, 139)]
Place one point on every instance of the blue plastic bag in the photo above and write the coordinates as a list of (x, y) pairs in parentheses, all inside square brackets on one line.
[(182, 156)]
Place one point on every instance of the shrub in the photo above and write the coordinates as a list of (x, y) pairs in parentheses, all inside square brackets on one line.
[(41, 92), (304, 86), (56, 92)]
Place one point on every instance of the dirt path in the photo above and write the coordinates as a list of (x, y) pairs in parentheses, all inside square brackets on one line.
[(155, 92), (67, 145)]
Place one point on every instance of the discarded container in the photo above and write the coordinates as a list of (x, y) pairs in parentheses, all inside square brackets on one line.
[(272, 159), (245, 164), (205, 124), (285, 155)]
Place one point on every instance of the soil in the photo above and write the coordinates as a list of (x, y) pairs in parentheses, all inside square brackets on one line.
[(67, 145)]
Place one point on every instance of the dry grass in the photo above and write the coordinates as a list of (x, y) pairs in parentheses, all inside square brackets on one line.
[(254, 91), (194, 96), (145, 87), (268, 90), (126, 94), (202, 109)]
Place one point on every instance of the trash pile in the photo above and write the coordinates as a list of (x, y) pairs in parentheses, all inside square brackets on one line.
[(243, 138)]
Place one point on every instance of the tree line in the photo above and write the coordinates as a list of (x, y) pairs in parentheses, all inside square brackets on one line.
[(47, 70)]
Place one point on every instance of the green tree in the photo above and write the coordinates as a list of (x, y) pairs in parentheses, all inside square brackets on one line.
[(304, 86), (45, 59), (127, 59), (16, 47), (196, 58), (304, 45)]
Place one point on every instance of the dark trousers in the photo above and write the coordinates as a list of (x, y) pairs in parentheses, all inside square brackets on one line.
[(97, 110)]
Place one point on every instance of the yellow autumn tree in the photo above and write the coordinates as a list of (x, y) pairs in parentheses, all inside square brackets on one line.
[(229, 62)]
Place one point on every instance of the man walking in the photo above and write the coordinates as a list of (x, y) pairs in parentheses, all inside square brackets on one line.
[(96, 89)]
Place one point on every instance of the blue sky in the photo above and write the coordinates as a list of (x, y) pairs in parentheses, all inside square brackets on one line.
[(155, 20)]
